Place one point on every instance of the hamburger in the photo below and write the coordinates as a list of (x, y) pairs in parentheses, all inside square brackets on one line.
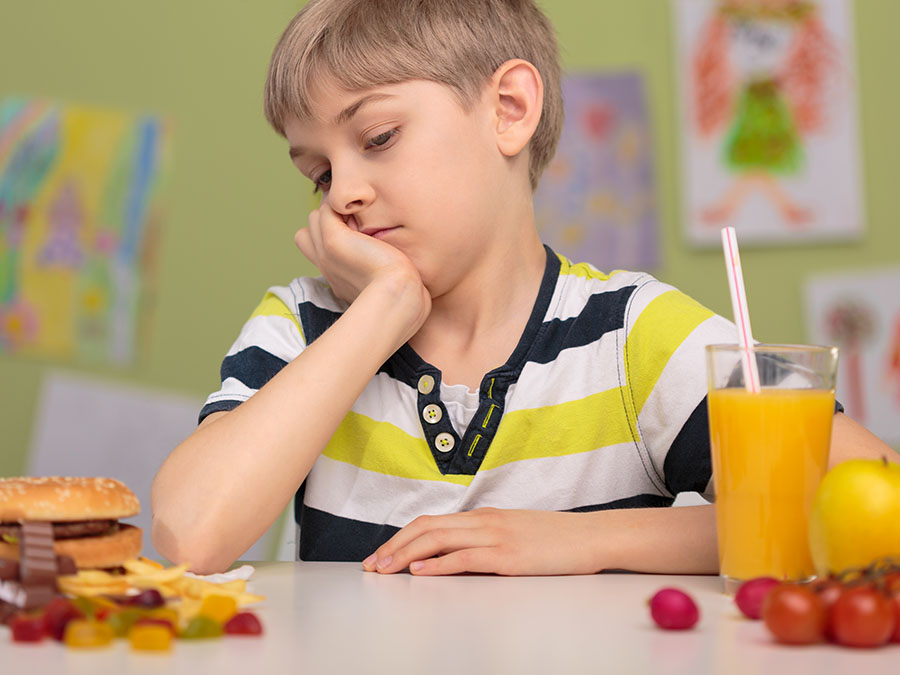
[(84, 514)]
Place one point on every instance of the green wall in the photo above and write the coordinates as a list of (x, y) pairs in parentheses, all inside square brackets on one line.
[(235, 200)]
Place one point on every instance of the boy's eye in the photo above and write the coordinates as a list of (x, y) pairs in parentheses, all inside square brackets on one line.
[(322, 182), (381, 139)]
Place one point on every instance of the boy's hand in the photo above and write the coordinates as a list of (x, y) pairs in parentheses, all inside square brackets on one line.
[(490, 541), (350, 260)]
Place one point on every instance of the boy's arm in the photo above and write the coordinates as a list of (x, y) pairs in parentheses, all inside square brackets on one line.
[(663, 540), (678, 540), (851, 440), (222, 487)]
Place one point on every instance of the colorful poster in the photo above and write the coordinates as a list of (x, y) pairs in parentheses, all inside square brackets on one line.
[(860, 313), (80, 214), (769, 120), (596, 201)]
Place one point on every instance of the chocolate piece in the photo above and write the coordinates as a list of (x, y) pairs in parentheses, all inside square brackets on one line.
[(65, 565), (37, 559), (7, 611), (9, 569), (25, 596)]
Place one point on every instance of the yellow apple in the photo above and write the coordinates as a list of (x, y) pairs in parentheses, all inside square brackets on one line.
[(855, 516)]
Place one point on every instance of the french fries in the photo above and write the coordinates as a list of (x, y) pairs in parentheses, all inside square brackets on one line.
[(141, 574)]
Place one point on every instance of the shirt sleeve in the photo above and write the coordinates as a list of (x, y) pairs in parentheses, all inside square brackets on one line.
[(270, 339), (664, 356)]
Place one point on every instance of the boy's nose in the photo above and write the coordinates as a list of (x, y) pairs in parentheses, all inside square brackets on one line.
[(350, 194)]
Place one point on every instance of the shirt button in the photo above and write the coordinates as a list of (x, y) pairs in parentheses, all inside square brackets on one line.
[(432, 413), (426, 384), (444, 442)]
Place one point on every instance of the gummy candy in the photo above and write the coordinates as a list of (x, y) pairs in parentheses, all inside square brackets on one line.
[(166, 613), (94, 608), (122, 622), (27, 628), (243, 623), (156, 621), (219, 608), (201, 627), (88, 633), (58, 613), (148, 636), (149, 599)]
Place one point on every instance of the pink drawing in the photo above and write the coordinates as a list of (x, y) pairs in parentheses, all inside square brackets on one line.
[(851, 324)]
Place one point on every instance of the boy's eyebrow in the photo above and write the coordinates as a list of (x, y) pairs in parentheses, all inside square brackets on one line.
[(344, 116), (347, 113)]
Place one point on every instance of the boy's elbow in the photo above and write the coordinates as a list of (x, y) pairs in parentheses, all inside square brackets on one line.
[(202, 555)]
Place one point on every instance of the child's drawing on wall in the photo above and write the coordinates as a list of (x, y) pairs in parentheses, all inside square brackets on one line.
[(769, 111), (80, 211), (860, 313)]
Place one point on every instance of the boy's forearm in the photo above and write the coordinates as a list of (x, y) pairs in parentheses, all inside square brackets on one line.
[(675, 540), (222, 487)]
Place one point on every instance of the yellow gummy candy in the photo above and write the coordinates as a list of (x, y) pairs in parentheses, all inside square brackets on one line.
[(150, 637), (87, 633), (219, 608)]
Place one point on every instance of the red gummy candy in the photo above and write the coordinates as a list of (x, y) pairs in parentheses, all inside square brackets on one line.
[(243, 623), (27, 628), (57, 614), (149, 599)]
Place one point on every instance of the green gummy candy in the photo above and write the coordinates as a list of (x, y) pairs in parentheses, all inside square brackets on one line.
[(202, 627)]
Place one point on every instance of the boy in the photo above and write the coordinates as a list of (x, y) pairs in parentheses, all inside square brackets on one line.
[(447, 362)]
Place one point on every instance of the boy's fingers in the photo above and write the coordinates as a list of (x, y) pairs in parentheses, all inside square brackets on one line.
[(304, 242), (480, 560), (420, 526), (432, 543)]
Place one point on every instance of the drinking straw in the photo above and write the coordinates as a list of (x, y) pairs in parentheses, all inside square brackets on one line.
[(739, 306)]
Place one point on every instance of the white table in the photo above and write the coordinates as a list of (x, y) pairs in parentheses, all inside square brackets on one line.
[(335, 618)]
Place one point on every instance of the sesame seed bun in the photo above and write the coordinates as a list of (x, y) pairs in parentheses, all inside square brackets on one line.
[(106, 550), (60, 499)]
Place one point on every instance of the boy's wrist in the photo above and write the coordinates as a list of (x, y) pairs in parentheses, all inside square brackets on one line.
[(398, 305)]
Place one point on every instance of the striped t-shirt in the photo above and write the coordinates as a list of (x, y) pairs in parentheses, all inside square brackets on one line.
[(601, 405)]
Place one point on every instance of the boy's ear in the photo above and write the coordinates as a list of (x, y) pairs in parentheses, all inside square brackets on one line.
[(518, 96)]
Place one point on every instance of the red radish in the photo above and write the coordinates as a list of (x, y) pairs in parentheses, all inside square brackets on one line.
[(749, 597), (673, 609)]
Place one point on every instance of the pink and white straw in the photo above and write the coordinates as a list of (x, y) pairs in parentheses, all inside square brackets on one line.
[(739, 306)]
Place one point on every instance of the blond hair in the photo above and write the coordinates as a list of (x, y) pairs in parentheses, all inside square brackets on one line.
[(458, 43)]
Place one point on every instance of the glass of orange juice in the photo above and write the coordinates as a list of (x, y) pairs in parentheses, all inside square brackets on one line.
[(769, 453)]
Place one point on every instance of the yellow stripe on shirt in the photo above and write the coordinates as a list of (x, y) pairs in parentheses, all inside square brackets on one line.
[(563, 429), (659, 331), (384, 448), (566, 267), (272, 305)]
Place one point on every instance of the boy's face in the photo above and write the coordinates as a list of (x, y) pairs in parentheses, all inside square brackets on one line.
[(405, 163)]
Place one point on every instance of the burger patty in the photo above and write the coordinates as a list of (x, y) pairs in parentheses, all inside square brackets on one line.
[(68, 530)]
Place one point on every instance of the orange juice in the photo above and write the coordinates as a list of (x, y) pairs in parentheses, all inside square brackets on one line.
[(769, 453)]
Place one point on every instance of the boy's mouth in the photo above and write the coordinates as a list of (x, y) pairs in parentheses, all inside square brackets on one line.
[(378, 233)]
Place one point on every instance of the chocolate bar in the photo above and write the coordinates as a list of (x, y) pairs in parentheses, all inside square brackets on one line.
[(25, 596), (37, 557), (9, 569)]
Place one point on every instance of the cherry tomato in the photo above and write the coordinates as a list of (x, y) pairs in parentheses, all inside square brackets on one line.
[(892, 582), (829, 590), (895, 602), (862, 617), (794, 614)]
